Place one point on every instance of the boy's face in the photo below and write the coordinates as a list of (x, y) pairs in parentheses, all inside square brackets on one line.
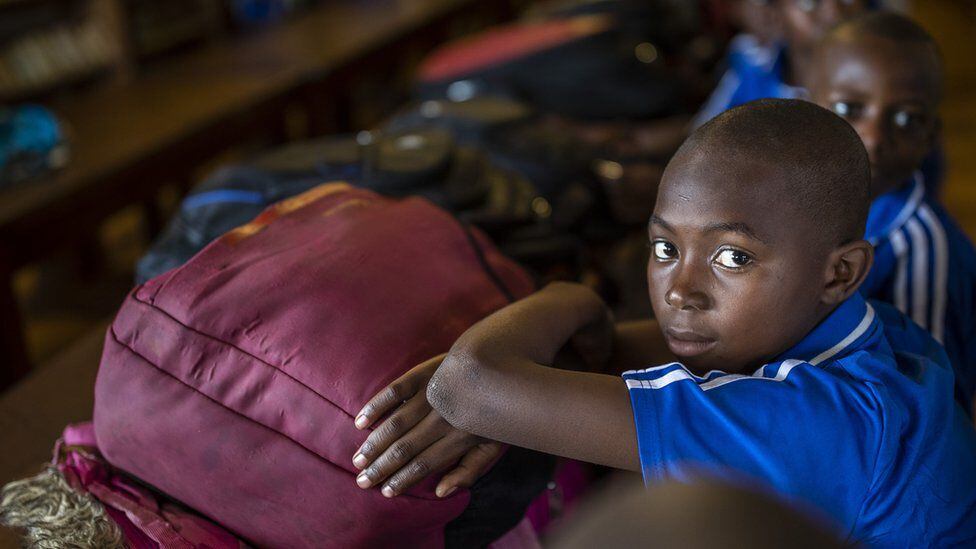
[(889, 93), (757, 18), (735, 277), (806, 21)]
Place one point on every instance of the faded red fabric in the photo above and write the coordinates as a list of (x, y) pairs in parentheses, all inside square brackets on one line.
[(230, 383), (501, 44), (146, 521)]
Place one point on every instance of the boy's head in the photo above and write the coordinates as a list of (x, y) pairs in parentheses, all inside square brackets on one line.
[(883, 74), (756, 234), (805, 22), (758, 18)]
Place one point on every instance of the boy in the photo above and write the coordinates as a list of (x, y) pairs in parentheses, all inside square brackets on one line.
[(759, 67), (883, 74), (787, 377)]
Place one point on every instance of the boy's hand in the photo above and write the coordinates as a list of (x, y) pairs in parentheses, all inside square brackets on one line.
[(415, 441)]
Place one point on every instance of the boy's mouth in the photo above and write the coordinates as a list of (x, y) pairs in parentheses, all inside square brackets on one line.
[(687, 343)]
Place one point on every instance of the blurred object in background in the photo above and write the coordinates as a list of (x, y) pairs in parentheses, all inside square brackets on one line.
[(583, 67), (32, 144), (700, 514), (903, 6), (47, 45), (424, 162), (179, 94), (156, 27), (611, 84), (256, 13)]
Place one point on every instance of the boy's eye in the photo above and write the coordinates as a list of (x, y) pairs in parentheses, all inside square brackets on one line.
[(732, 259), (664, 250), (843, 108), (905, 119)]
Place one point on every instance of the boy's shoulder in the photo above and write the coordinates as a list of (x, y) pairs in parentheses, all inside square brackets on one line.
[(912, 220), (924, 262)]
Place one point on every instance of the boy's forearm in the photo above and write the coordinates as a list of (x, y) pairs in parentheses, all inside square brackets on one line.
[(495, 382), (489, 365), (535, 328)]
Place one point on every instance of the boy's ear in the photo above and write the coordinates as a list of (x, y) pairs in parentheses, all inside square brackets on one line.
[(846, 270)]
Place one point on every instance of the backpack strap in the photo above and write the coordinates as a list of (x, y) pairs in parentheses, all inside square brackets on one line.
[(485, 266)]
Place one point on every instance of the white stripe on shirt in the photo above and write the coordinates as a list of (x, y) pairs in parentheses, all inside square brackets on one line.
[(851, 337), (899, 245), (785, 367), (920, 272), (909, 209), (939, 288)]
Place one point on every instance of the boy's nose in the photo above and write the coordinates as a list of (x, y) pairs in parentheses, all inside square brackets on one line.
[(686, 292), (871, 135)]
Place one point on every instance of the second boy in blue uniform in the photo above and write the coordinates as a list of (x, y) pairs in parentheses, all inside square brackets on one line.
[(882, 73)]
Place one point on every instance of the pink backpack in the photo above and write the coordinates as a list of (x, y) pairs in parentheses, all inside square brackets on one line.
[(230, 383)]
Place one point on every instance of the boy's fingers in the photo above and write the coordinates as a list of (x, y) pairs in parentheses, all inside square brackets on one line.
[(397, 425), (436, 458), (473, 466), (405, 387), (387, 399), (403, 450)]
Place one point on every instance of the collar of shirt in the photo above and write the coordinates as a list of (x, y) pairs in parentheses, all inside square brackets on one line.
[(745, 48), (853, 325), (765, 66), (890, 211)]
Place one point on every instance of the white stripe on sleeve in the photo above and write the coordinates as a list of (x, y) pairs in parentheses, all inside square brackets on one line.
[(663, 381)]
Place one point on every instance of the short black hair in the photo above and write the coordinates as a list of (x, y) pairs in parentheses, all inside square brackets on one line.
[(829, 172), (887, 24), (895, 27)]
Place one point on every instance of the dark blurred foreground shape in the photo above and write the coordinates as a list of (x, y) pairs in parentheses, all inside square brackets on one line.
[(702, 514)]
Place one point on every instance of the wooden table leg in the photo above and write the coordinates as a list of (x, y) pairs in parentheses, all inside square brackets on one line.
[(13, 349)]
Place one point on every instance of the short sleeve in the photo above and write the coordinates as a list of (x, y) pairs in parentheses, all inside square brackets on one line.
[(795, 427)]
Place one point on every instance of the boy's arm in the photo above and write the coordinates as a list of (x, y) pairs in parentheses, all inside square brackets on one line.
[(414, 441), (497, 382)]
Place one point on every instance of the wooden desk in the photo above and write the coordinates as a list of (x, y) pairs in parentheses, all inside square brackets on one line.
[(129, 139)]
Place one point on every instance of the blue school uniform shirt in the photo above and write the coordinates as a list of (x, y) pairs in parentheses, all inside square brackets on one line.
[(867, 433), (926, 267), (754, 72)]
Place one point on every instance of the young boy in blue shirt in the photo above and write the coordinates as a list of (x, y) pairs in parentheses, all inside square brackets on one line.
[(786, 378), (761, 66), (883, 74)]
